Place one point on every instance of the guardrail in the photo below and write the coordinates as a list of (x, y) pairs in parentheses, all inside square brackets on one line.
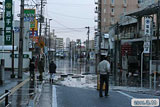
[(5, 97)]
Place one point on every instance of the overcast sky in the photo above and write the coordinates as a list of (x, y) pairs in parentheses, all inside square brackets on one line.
[(70, 17)]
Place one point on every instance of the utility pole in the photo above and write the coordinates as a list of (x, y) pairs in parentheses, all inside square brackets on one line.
[(13, 75), (115, 55), (100, 30), (87, 49), (157, 48), (158, 22), (40, 27), (49, 42), (20, 59), (88, 43), (46, 41)]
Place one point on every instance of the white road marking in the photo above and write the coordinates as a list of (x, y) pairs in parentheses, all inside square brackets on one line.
[(125, 94), (54, 96), (129, 96)]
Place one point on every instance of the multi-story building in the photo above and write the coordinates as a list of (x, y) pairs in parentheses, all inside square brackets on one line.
[(59, 44), (67, 42), (109, 12), (129, 44)]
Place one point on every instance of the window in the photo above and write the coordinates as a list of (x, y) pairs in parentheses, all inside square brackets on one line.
[(124, 10), (112, 1), (140, 1), (104, 1), (104, 10), (104, 19), (124, 1), (112, 20), (112, 10)]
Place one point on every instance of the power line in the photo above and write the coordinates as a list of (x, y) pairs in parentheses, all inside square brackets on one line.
[(34, 2), (69, 16), (65, 26), (66, 4)]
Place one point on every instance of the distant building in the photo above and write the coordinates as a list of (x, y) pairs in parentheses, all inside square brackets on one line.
[(67, 42), (59, 44)]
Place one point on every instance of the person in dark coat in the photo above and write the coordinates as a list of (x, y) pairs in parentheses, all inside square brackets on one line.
[(52, 70), (41, 69), (31, 68)]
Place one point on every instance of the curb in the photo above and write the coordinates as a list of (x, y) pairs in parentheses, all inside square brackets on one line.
[(13, 90), (33, 102)]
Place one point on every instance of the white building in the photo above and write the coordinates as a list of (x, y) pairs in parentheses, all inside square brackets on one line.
[(5, 51)]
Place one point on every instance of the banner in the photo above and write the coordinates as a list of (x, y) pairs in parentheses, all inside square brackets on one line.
[(8, 18), (29, 15)]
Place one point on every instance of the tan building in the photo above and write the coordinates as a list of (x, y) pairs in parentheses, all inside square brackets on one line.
[(109, 12)]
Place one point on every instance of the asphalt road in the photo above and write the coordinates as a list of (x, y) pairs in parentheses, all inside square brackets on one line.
[(63, 96), (78, 97)]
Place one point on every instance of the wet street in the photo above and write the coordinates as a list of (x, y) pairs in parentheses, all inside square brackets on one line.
[(79, 97), (73, 86), (79, 89), (67, 66)]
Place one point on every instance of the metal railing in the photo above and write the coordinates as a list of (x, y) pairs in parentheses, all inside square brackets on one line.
[(5, 97)]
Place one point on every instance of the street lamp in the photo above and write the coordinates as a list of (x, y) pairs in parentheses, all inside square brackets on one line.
[(49, 40), (88, 42)]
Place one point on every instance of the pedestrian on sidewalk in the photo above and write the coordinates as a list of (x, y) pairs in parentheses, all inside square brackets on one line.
[(31, 68), (52, 70), (41, 69), (104, 69)]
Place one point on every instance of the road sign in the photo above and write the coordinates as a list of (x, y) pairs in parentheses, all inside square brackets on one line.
[(24, 55), (29, 15), (146, 47), (8, 22), (16, 29), (35, 34), (41, 44)]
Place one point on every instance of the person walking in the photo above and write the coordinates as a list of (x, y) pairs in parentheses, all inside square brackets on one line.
[(31, 69), (52, 70), (104, 69), (41, 69)]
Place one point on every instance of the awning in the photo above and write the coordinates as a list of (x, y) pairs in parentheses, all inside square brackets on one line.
[(149, 10)]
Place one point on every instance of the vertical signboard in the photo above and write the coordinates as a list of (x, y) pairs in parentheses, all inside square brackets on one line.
[(147, 28), (8, 23), (29, 15), (147, 32)]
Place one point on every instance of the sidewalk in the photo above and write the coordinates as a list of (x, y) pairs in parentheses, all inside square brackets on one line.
[(11, 83)]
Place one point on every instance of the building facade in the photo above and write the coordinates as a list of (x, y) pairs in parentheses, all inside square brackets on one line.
[(59, 44), (109, 12)]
